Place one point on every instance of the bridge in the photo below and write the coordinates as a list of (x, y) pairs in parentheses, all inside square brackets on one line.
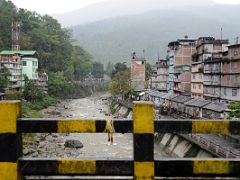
[(214, 144), (142, 166)]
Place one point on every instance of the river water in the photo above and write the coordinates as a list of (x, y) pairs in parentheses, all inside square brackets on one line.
[(94, 144)]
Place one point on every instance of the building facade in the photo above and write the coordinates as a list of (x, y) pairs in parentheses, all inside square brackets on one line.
[(12, 61), (160, 76), (179, 58), (19, 64), (212, 59), (230, 76), (206, 68), (138, 72), (30, 67)]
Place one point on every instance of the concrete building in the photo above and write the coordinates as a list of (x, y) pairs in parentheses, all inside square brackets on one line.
[(160, 76), (20, 63), (12, 60), (230, 76), (29, 64), (138, 72), (206, 68), (179, 58), (212, 58)]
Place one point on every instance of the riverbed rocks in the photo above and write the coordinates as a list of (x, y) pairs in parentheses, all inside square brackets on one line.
[(71, 143)]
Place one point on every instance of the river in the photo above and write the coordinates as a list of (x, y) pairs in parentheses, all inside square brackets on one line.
[(94, 144)]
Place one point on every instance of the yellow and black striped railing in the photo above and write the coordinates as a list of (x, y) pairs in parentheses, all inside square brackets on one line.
[(142, 166)]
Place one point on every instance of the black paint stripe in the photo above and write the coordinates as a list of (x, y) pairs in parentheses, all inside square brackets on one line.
[(173, 126), (117, 167), (10, 147), (143, 147), (37, 126)]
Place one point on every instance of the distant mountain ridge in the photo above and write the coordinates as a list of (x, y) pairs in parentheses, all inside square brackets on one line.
[(115, 8), (114, 39)]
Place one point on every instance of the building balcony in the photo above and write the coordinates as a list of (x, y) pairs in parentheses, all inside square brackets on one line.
[(212, 83), (213, 95), (216, 72)]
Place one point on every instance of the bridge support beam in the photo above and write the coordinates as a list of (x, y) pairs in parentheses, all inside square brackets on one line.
[(10, 140), (143, 129)]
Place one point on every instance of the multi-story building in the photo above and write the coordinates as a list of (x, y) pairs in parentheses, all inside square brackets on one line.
[(206, 68), (179, 56), (212, 57), (160, 75), (197, 73), (230, 76), (138, 72), (20, 63), (12, 61), (29, 64)]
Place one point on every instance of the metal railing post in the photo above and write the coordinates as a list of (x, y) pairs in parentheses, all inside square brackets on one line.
[(10, 140), (143, 129)]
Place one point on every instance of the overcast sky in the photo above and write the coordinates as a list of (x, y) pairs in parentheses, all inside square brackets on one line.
[(60, 6)]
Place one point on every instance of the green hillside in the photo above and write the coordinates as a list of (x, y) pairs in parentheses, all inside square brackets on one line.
[(114, 39)]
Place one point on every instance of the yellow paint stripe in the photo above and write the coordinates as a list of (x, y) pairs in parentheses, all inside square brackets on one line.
[(210, 127), (9, 112), (143, 117), (143, 170), (8, 171), (76, 126), (211, 167), (77, 167)]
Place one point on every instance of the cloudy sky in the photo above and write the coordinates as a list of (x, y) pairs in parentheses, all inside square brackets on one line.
[(60, 6)]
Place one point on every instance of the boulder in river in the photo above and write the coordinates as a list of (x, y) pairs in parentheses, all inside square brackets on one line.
[(73, 144)]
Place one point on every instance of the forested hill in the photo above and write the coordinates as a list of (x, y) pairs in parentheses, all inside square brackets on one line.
[(45, 35), (114, 39)]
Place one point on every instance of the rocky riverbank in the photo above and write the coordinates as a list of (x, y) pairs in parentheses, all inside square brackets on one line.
[(94, 145)]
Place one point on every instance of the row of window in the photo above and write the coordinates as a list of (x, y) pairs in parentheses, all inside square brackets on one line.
[(34, 63), (234, 91)]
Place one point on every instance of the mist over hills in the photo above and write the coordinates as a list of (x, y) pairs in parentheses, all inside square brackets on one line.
[(151, 28), (115, 8)]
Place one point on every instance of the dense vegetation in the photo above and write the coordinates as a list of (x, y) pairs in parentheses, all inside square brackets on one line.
[(234, 109), (64, 63)]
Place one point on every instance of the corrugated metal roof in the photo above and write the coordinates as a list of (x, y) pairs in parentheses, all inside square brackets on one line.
[(170, 96), (9, 52), (216, 106), (198, 102), (181, 99), (156, 93)]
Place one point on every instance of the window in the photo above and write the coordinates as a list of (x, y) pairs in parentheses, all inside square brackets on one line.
[(199, 86), (194, 86), (194, 76), (24, 63), (234, 92)]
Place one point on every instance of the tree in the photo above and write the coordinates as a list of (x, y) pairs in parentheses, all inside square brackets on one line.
[(109, 69), (82, 63), (4, 74), (118, 67), (31, 93), (98, 70), (121, 84), (235, 109), (148, 71)]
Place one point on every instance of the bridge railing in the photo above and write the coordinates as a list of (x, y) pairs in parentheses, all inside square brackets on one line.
[(142, 166)]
